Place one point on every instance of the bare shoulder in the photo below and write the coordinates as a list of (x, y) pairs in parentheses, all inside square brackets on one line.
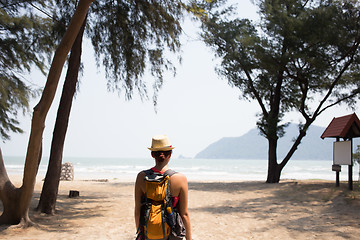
[(140, 181), (179, 179), (141, 174)]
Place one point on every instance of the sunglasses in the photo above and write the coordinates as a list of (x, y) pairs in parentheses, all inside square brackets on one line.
[(158, 153)]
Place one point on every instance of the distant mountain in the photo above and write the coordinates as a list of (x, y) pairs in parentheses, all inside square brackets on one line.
[(253, 146)]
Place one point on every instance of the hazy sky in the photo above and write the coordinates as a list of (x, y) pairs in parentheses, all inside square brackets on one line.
[(195, 108)]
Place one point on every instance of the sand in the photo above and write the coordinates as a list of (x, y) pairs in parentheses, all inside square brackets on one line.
[(307, 209)]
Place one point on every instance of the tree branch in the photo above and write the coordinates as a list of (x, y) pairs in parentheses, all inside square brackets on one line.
[(331, 88), (255, 92), (339, 101)]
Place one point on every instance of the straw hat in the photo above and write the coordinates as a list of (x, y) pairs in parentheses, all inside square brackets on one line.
[(161, 143)]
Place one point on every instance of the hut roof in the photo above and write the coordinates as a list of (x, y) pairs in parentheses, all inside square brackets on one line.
[(343, 127)]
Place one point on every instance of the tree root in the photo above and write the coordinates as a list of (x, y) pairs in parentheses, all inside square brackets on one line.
[(23, 224)]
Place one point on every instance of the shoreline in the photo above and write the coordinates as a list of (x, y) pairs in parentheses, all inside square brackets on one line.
[(16, 179), (195, 170), (292, 209)]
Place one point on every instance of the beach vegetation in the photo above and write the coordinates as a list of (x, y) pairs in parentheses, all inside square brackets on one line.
[(300, 56), (356, 155), (128, 38), (25, 45), (356, 158), (50, 187), (16, 201)]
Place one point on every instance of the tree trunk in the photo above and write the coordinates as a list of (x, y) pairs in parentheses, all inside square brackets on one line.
[(51, 184), (16, 201), (9, 196), (274, 169), (297, 142)]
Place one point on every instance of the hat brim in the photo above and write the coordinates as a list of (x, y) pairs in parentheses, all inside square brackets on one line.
[(161, 149)]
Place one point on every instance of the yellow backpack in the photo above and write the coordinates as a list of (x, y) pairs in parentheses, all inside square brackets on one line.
[(157, 217)]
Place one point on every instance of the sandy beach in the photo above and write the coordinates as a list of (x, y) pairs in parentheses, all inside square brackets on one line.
[(306, 209)]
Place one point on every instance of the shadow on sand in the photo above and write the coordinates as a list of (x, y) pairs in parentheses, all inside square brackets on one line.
[(312, 205)]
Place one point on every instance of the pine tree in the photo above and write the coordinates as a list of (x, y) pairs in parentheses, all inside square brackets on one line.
[(25, 43), (302, 56)]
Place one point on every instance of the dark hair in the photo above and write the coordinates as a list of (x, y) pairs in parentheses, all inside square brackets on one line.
[(157, 153)]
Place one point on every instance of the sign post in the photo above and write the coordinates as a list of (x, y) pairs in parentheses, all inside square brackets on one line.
[(345, 127), (343, 156), (337, 169)]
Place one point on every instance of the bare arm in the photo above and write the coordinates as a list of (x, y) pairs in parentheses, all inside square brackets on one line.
[(139, 193), (183, 206)]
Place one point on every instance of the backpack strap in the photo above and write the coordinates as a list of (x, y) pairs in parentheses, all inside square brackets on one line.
[(170, 172), (168, 199), (148, 172)]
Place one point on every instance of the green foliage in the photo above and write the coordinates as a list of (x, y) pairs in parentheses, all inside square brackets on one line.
[(129, 35), (300, 51), (356, 155), (129, 38), (24, 43), (302, 55)]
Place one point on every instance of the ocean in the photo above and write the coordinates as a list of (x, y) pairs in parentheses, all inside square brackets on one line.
[(126, 169)]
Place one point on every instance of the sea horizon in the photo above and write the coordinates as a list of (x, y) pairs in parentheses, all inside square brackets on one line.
[(195, 169)]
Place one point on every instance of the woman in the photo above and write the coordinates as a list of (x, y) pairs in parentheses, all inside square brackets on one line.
[(161, 151)]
